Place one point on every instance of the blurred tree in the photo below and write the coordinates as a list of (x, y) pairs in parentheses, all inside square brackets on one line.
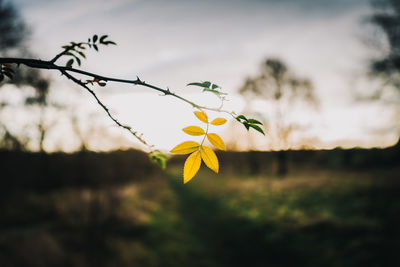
[(386, 67), (283, 91), (387, 19), (40, 100), (75, 52), (13, 35), (12, 28), (13, 32)]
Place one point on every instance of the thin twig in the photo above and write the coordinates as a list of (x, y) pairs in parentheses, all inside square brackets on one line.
[(66, 50), (41, 64), (50, 65), (80, 83)]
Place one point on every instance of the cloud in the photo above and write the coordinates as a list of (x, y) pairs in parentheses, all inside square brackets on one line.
[(173, 42)]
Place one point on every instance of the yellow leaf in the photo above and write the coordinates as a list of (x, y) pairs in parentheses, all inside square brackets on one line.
[(209, 158), (185, 147), (192, 166), (216, 141), (201, 116), (218, 121), (194, 130)]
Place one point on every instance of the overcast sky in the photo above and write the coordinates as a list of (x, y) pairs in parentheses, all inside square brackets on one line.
[(170, 43)]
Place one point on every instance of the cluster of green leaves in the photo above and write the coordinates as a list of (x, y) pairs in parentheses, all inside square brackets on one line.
[(6, 70), (198, 151), (159, 158), (76, 50), (209, 87), (250, 123)]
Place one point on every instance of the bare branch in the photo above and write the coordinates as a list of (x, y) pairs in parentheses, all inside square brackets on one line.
[(50, 65), (80, 83), (67, 49)]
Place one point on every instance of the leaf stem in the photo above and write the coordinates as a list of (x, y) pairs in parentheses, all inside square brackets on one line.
[(205, 135), (50, 65)]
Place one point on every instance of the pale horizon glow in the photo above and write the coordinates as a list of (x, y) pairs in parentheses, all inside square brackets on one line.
[(171, 43)]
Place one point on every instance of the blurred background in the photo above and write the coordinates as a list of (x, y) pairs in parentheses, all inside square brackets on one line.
[(321, 188)]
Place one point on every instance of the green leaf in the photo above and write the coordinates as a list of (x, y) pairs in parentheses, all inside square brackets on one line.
[(102, 38), (214, 86), (161, 162), (95, 37), (109, 42), (253, 121), (82, 54), (73, 55), (162, 155), (95, 47), (78, 60), (241, 117), (257, 128), (159, 158), (197, 84), (69, 63), (246, 125), (206, 85)]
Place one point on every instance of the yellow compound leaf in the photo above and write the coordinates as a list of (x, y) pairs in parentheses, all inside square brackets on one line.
[(185, 147), (192, 166), (216, 141), (194, 130), (218, 121), (201, 116), (209, 158)]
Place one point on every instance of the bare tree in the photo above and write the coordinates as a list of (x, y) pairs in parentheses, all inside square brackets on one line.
[(12, 28), (74, 53), (13, 35), (387, 19), (387, 67), (283, 91)]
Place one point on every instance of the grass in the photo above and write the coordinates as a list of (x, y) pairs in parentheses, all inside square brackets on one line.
[(333, 219), (310, 218)]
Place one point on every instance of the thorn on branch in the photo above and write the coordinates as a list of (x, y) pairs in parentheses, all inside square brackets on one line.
[(167, 92)]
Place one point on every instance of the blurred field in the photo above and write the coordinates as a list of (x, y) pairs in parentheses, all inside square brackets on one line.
[(315, 216)]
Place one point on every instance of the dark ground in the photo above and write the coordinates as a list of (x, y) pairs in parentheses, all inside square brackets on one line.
[(334, 208)]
